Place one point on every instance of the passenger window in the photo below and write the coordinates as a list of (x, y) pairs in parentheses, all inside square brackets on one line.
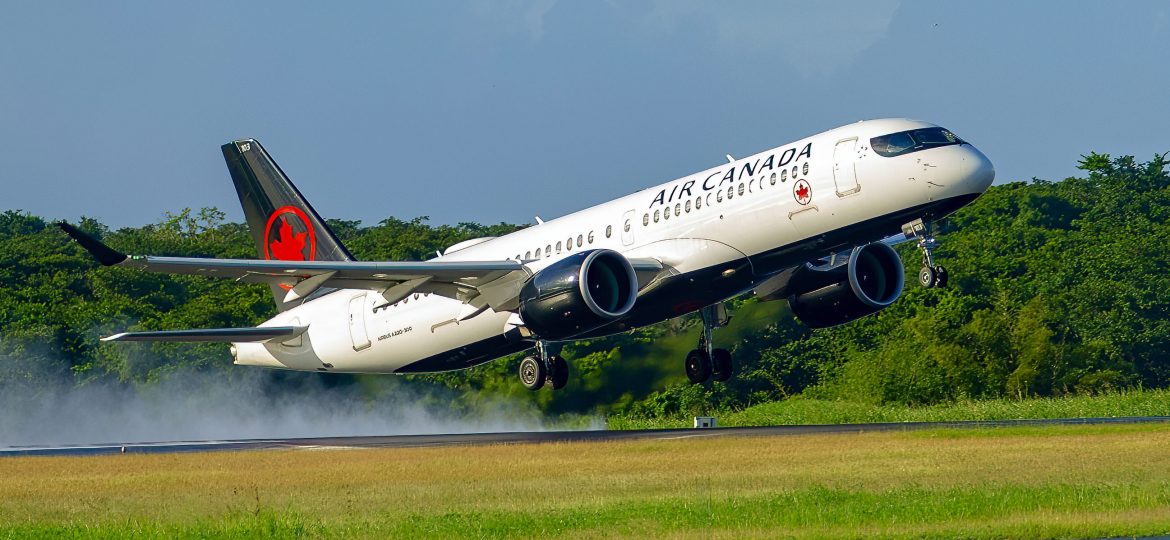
[(784, 175), (537, 253), (548, 250), (730, 192), (569, 244), (645, 220), (741, 189), (804, 170), (609, 229), (794, 169), (590, 237), (773, 179), (580, 240), (558, 247), (517, 256), (666, 214), (677, 209), (719, 196), (656, 212), (688, 206), (527, 255), (698, 203)]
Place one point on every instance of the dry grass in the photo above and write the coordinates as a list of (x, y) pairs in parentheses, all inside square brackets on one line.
[(1028, 482)]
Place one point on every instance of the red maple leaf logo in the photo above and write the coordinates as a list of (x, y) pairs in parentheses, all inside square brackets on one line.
[(803, 193), (289, 247)]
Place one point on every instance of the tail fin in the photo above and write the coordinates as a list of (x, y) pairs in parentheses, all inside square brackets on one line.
[(282, 223)]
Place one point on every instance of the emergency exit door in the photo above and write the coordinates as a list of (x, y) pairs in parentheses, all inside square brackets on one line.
[(628, 227)]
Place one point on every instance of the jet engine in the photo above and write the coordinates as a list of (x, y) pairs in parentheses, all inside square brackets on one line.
[(578, 293), (870, 280)]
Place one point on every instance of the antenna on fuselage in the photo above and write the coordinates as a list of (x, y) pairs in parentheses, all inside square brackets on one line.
[(539, 221), (730, 159)]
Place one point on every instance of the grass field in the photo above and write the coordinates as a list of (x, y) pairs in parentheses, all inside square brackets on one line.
[(1068, 481), (801, 410)]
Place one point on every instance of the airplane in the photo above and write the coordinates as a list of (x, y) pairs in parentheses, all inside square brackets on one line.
[(810, 222)]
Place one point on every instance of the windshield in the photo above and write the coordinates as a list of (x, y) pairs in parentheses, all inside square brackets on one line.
[(896, 144)]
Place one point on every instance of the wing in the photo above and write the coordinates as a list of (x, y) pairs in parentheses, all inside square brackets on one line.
[(231, 335), (478, 283)]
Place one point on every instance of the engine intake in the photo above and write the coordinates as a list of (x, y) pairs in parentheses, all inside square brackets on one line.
[(870, 281), (578, 293)]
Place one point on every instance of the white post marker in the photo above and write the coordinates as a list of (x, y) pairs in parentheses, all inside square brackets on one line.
[(704, 422)]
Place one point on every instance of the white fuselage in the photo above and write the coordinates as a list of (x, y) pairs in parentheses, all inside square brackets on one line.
[(818, 189)]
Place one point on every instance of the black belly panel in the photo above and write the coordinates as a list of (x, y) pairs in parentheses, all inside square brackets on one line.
[(470, 355)]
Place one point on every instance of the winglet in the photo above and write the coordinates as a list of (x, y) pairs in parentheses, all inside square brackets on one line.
[(103, 253)]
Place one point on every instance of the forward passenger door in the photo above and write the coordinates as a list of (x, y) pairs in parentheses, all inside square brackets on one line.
[(844, 169)]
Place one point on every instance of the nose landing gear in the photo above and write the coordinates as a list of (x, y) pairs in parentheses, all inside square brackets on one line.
[(930, 276), (706, 361), (540, 368)]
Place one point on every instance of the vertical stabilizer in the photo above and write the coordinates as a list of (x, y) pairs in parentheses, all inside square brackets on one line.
[(283, 224)]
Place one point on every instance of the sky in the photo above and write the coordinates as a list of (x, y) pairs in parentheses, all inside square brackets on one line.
[(493, 111)]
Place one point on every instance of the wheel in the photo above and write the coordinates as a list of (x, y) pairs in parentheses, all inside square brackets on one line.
[(926, 277), (721, 364), (532, 373), (698, 366), (940, 277), (559, 375)]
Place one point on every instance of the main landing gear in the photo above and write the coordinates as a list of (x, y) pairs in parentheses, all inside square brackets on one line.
[(540, 368), (705, 362), (930, 276)]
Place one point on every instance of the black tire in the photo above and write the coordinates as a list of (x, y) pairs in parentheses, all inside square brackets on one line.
[(532, 373), (559, 374), (698, 366), (721, 365), (940, 277), (926, 277)]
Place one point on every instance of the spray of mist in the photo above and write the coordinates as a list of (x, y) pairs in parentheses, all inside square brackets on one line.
[(41, 404)]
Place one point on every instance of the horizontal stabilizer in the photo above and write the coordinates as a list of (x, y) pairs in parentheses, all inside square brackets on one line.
[(232, 335)]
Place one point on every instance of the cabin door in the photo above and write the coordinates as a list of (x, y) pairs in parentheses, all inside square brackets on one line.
[(357, 322), (844, 167), (628, 227)]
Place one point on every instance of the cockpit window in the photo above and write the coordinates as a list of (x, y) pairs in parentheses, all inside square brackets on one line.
[(896, 144)]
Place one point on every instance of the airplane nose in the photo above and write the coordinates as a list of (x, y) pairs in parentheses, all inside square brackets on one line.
[(977, 170)]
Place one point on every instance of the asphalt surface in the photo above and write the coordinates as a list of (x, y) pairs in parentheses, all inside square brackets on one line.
[(470, 439)]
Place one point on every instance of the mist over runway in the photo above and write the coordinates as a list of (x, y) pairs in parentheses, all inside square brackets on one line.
[(537, 437)]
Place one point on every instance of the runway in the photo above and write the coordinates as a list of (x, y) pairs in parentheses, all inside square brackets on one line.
[(534, 437)]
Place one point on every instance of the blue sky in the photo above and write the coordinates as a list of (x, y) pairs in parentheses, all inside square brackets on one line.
[(497, 111)]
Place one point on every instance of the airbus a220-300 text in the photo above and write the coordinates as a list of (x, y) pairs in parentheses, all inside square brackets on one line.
[(810, 222)]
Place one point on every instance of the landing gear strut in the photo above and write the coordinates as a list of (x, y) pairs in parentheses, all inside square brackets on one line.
[(930, 276), (706, 361), (540, 368)]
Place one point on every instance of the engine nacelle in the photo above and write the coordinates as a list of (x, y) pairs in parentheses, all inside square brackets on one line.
[(578, 293), (870, 281)]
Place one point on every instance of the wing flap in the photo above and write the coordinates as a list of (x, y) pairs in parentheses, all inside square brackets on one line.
[(497, 282), (226, 335), (377, 276), (385, 272)]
